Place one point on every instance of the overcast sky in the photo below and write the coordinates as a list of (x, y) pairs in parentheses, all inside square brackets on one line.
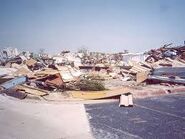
[(99, 25)]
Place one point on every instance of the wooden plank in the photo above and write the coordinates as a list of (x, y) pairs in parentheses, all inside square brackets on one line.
[(99, 94), (46, 72), (31, 90)]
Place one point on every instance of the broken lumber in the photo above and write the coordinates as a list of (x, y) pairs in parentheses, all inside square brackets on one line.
[(31, 90)]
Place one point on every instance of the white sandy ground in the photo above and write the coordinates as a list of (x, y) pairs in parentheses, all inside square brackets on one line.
[(42, 120)]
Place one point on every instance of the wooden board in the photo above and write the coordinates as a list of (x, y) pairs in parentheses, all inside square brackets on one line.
[(31, 90), (100, 94)]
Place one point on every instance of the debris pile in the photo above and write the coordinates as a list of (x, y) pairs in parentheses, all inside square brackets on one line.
[(43, 74), (168, 64)]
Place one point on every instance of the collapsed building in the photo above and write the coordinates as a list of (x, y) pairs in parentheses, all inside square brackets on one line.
[(44, 74)]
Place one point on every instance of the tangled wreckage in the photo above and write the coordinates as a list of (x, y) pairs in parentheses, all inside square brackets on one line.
[(90, 75)]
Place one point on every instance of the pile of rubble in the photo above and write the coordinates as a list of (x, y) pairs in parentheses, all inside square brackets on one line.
[(168, 64), (42, 74)]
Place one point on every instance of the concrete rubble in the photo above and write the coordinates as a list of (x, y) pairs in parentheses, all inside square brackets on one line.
[(82, 71)]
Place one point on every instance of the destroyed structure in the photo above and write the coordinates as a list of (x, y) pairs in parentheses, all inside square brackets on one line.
[(31, 74)]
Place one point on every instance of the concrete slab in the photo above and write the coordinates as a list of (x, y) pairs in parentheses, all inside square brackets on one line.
[(19, 119)]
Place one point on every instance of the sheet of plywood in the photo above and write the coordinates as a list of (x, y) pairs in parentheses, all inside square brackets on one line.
[(99, 94), (141, 76)]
